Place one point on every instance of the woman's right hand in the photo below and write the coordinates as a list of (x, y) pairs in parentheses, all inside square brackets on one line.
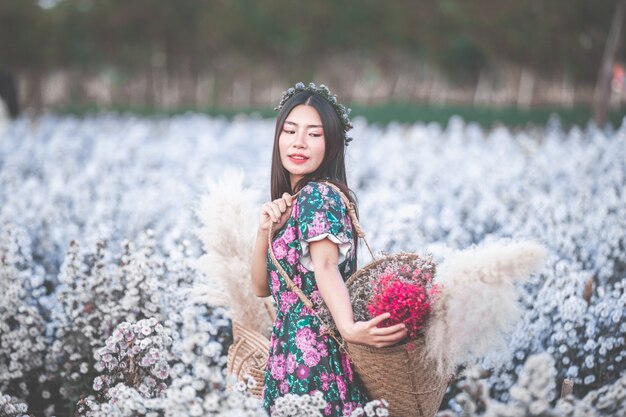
[(276, 212), (366, 332)]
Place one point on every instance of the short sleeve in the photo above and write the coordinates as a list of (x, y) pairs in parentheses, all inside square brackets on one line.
[(322, 214)]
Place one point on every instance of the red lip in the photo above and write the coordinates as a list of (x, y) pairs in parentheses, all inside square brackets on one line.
[(298, 154), (297, 161)]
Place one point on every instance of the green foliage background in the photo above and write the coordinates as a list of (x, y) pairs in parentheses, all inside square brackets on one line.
[(460, 37)]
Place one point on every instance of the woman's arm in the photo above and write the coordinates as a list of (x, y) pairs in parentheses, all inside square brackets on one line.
[(274, 212), (324, 256)]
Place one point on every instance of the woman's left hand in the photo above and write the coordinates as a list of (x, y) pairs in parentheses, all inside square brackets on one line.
[(367, 333)]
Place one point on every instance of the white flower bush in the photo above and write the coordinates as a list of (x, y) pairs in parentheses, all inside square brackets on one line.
[(120, 400), (136, 354), (194, 371), (22, 332), (534, 394), (98, 291), (12, 407), (200, 374), (96, 226), (373, 408), (609, 400)]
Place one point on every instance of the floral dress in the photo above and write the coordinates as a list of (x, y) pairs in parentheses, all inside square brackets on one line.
[(301, 361)]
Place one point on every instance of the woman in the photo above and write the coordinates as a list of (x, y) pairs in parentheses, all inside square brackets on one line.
[(315, 244)]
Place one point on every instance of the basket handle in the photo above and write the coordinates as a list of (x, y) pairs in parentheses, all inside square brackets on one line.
[(269, 309), (357, 225), (352, 213)]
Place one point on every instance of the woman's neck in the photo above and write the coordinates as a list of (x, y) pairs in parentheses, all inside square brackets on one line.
[(294, 180)]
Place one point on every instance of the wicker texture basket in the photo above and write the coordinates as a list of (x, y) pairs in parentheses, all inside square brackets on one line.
[(401, 375), (248, 355)]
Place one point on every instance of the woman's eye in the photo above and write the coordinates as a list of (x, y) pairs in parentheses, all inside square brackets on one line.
[(291, 132)]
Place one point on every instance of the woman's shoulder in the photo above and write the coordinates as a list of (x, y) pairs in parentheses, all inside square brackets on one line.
[(321, 191)]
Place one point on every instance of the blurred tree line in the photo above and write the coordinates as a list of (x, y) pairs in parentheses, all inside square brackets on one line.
[(459, 37), (238, 53)]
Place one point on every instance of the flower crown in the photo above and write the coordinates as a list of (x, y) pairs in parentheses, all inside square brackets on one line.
[(322, 90)]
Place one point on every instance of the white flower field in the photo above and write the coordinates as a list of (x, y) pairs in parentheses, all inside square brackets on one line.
[(97, 241)]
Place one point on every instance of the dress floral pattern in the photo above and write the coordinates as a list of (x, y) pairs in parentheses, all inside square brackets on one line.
[(302, 360)]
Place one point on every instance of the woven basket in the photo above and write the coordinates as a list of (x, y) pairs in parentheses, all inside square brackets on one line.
[(402, 376), (248, 355)]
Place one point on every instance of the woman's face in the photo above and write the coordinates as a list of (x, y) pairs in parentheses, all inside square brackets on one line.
[(301, 142)]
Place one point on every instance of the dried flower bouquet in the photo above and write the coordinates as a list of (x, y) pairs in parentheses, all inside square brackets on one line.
[(401, 285)]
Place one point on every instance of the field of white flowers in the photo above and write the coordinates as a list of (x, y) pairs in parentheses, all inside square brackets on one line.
[(97, 238)]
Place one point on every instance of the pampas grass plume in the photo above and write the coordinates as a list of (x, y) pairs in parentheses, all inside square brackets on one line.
[(478, 304), (228, 217)]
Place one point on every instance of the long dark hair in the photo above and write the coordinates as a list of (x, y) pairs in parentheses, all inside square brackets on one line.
[(332, 168)]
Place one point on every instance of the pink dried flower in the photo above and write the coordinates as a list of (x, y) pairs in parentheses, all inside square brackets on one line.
[(407, 302)]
